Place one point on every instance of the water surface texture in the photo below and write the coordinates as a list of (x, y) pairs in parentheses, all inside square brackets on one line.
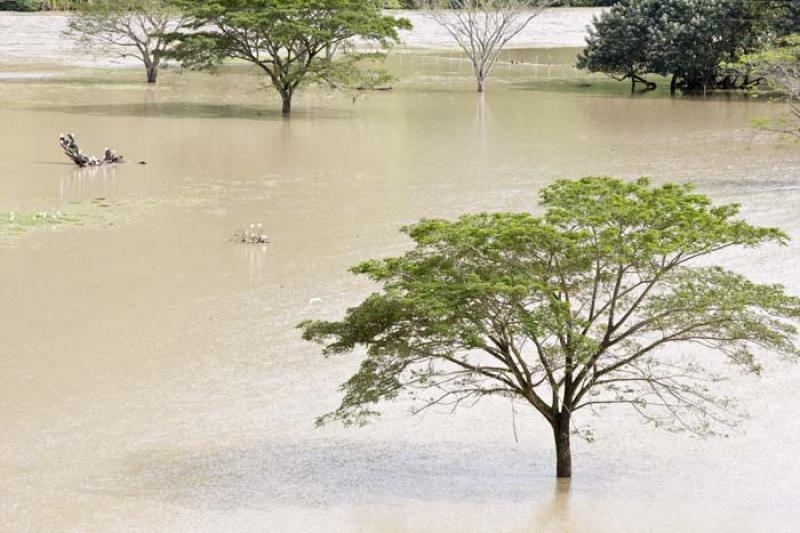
[(26, 37), (151, 378)]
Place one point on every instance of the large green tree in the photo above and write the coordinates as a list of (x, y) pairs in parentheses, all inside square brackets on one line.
[(618, 43), (291, 41), (684, 40), (785, 16), (566, 311)]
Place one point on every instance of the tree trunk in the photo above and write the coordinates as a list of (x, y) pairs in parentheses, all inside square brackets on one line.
[(561, 432), (673, 85), (481, 83), (150, 66), (286, 98), (152, 73)]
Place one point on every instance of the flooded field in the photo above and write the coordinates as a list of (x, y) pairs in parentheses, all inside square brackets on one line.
[(27, 38), (152, 379)]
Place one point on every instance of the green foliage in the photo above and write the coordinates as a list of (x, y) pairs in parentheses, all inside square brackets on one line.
[(686, 40), (618, 44), (19, 5), (566, 310), (292, 41), (38, 5), (785, 17), (779, 65), (585, 3), (14, 223)]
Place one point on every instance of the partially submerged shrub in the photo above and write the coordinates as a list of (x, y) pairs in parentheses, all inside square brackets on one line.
[(252, 235)]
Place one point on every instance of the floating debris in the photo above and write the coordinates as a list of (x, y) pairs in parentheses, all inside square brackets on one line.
[(71, 149), (252, 235)]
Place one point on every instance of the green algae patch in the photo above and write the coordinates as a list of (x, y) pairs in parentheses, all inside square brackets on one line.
[(16, 222)]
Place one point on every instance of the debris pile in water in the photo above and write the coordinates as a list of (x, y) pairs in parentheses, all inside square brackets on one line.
[(71, 149), (252, 235)]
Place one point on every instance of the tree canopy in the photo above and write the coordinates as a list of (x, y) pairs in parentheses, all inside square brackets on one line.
[(566, 311), (685, 40), (127, 28), (291, 41), (482, 28)]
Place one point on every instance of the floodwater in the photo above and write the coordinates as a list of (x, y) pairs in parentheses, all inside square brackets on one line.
[(151, 378), (26, 37)]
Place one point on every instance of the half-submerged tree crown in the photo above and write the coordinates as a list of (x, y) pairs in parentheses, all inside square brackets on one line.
[(291, 41), (567, 310)]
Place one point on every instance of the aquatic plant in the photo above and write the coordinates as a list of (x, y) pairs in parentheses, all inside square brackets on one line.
[(15, 222)]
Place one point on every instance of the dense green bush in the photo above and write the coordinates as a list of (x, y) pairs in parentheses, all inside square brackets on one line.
[(40, 5), (19, 5), (684, 40)]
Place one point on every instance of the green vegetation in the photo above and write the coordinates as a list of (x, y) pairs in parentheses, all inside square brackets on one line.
[(66, 5), (15, 223), (684, 40), (784, 16), (779, 65), (41, 5), (566, 311), (291, 41)]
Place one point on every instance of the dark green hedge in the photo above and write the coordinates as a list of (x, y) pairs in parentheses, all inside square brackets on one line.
[(19, 5)]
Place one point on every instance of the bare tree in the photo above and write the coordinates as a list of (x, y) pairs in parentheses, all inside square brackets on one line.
[(482, 28), (127, 28)]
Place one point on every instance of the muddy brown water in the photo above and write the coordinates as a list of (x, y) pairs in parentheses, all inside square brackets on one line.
[(151, 378)]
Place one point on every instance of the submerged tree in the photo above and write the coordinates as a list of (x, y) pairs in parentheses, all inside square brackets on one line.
[(618, 43), (127, 28), (291, 41), (482, 28), (566, 311), (684, 40)]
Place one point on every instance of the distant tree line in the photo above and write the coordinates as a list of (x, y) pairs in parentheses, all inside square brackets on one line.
[(68, 5)]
